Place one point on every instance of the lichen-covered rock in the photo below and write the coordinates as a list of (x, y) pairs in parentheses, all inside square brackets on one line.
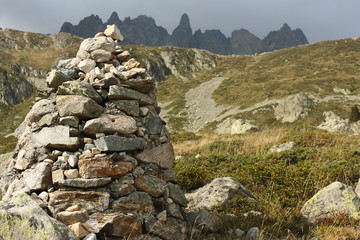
[(218, 192), (22, 218), (79, 88), (336, 198)]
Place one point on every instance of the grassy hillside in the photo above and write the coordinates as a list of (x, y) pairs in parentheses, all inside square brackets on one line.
[(315, 68), (281, 182)]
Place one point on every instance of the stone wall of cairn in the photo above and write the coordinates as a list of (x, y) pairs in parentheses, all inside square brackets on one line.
[(95, 153)]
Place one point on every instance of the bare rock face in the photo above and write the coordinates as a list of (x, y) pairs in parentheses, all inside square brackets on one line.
[(293, 107), (96, 154)]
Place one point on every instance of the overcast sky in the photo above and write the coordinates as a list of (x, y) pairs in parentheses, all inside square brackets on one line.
[(319, 19)]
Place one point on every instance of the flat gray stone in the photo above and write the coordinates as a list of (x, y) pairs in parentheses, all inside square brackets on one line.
[(85, 183), (110, 124), (57, 137), (130, 107), (122, 93), (163, 155), (79, 106), (114, 143)]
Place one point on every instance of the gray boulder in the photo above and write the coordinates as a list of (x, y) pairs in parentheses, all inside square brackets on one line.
[(293, 107), (333, 199), (22, 218), (334, 123), (357, 190), (218, 192), (235, 126), (283, 147)]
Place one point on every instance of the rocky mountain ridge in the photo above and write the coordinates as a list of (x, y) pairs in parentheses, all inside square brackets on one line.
[(143, 30)]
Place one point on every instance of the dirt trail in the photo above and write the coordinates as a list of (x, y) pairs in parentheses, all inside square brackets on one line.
[(200, 106), (202, 109)]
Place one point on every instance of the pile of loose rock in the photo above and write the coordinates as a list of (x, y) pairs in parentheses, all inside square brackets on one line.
[(95, 154)]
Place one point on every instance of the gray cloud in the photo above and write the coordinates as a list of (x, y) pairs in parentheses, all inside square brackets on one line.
[(319, 19)]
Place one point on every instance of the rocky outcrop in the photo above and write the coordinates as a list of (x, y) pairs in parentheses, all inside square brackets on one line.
[(144, 31), (93, 163), (334, 123), (14, 88), (235, 126), (336, 198), (218, 192), (293, 107)]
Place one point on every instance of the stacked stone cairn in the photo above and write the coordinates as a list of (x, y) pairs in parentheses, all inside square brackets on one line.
[(95, 154)]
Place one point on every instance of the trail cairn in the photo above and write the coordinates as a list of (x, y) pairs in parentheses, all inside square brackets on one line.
[(95, 154)]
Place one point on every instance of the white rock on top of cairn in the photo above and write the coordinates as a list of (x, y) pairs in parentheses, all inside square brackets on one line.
[(115, 149)]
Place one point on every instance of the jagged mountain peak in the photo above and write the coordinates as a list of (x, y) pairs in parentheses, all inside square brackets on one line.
[(143, 30), (114, 19), (286, 28), (185, 20)]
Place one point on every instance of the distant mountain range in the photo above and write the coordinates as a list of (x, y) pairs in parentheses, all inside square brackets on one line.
[(143, 30)]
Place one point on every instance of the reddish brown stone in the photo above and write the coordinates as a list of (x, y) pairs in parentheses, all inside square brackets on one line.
[(118, 225), (90, 201), (104, 167)]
